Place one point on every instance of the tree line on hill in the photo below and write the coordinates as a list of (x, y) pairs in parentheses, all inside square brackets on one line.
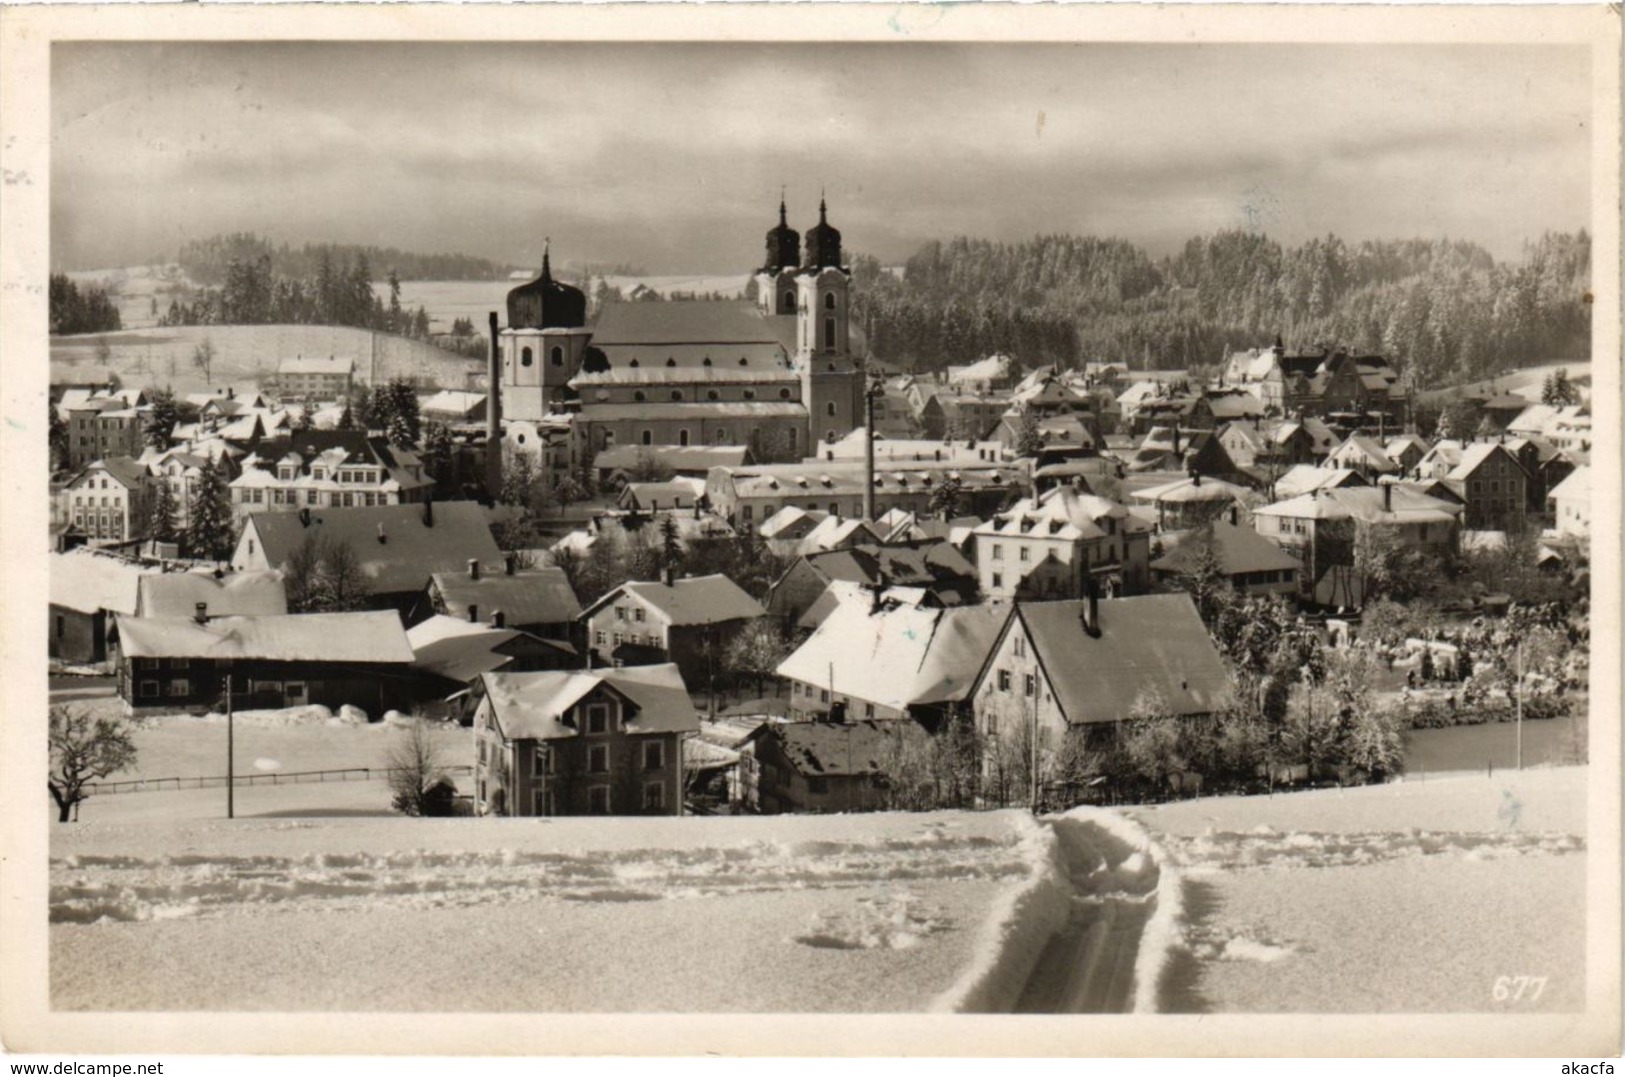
[(208, 261), (76, 311), (338, 292), (1445, 310)]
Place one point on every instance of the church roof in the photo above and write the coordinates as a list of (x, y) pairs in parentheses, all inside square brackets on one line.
[(545, 303), (695, 321)]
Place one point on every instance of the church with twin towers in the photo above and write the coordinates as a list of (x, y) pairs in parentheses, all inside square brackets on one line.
[(779, 373)]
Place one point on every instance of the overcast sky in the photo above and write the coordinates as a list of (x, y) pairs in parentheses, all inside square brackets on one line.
[(672, 156)]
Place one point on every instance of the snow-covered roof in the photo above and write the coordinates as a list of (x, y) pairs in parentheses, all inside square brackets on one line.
[(315, 365), (1577, 484), (692, 600), (237, 594), (1151, 643), (88, 582), (367, 636), (536, 706), (1190, 489), (1302, 478), (899, 654)]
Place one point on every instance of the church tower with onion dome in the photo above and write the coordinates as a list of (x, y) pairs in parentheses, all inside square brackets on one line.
[(776, 280), (831, 380), (542, 347)]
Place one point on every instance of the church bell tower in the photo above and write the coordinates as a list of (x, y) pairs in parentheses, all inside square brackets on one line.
[(831, 383)]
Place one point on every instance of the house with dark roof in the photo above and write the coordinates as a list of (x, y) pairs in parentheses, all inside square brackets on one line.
[(1173, 448), (287, 660), (583, 742), (398, 547), (687, 621), (1079, 667), (1494, 486), (810, 767), (937, 567), (537, 600), (1252, 563), (888, 655)]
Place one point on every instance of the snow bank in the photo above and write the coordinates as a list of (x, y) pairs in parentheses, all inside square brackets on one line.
[(1164, 929), (1015, 933)]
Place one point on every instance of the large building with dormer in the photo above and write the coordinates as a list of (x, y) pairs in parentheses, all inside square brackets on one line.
[(777, 373)]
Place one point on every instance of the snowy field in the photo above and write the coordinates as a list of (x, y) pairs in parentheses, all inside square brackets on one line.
[(1414, 896), (1410, 897), (868, 913)]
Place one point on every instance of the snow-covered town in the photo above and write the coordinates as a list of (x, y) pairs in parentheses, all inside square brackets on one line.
[(931, 634)]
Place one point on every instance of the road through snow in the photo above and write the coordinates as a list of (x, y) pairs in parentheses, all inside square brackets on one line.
[(1088, 967)]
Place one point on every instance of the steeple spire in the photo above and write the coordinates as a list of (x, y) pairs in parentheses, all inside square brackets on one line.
[(547, 270), (783, 220)]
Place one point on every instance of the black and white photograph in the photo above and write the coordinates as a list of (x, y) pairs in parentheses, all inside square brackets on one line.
[(769, 515)]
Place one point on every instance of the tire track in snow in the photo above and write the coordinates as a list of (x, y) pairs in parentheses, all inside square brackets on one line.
[(1089, 966)]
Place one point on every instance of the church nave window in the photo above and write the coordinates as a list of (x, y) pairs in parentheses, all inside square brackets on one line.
[(526, 357), (829, 300), (556, 356)]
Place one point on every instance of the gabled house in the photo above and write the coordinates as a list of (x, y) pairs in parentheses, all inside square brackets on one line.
[(1078, 668), (1248, 445), (1406, 450), (588, 742), (1364, 454), (537, 600), (1571, 504), (328, 469), (109, 500), (1323, 528), (1440, 460), (1173, 448), (88, 592), (654, 496), (877, 657), (397, 547), (934, 566), (1189, 502), (839, 533), (1305, 440), (288, 660), (1252, 563), (1190, 410), (1094, 538), (687, 621), (1494, 486), (802, 767)]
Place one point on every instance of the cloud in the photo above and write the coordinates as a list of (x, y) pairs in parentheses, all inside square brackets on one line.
[(679, 151)]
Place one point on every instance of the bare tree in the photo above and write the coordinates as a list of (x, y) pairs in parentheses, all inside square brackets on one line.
[(84, 750), (415, 768)]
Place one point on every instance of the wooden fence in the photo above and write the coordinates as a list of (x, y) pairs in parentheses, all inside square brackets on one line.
[(297, 777)]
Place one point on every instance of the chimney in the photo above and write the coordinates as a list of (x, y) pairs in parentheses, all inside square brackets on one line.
[(1387, 497), (510, 562), (473, 568), (382, 538), (428, 513), (1090, 617), (202, 614), (497, 620), (1196, 477), (473, 613), (493, 415)]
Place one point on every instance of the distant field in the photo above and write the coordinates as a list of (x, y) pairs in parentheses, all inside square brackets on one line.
[(1526, 382), (246, 353)]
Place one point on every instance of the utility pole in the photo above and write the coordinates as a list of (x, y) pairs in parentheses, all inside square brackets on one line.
[(1518, 698), (871, 389), (231, 755)]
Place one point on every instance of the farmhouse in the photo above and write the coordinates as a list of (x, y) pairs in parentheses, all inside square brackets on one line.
[(88, 592), (538, 600), (686, 621), (288, 660), (236, 594), (827, 766), (935, 566), (1252, 563)]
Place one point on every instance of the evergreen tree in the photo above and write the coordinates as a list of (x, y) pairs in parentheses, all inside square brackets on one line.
[(210, 532), (945, 499), (304, 418), (160, 522), (1029, 440), (437, 450), (161, 419), (671, 545), (58, 434)]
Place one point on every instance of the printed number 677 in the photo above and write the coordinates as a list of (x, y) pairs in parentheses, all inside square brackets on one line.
[(1518, 988)]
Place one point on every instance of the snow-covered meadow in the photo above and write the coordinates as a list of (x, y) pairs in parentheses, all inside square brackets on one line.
[(1414, 896)]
